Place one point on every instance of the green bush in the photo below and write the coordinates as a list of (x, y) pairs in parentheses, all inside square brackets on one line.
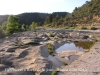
[(66, 27), (53, 54), (72, 27), (49, 45), (83, 28), (50, 50), (51, 35), (93, 28), (64, 63), (55, 72), (95, 40)]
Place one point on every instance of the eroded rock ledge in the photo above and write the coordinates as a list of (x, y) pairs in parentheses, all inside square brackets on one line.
[(14, 54)]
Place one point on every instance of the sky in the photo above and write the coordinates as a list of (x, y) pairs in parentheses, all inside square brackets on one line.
[(45, 6)]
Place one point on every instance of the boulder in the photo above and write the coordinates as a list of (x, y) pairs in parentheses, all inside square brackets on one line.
[(85, 37)]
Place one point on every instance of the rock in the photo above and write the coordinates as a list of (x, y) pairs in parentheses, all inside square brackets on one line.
[(90, 36), (44, 50), (45, 37), (74, 34), (23, 54), (12, 49), (5, 62), (2, 67), (85, 37)]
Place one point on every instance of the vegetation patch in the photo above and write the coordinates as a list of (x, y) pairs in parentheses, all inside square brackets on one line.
[(93, 28), (51, 35), (83, 28), (50, 49), (64, 63), (55, 72), (86, 45), (20, 44)]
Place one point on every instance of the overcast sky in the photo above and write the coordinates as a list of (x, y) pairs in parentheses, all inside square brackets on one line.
[(47, 6)]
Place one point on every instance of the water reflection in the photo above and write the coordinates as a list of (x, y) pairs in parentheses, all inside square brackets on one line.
[(41, 43), (80, 46), (57, 62), (69, 46), (84, 44)]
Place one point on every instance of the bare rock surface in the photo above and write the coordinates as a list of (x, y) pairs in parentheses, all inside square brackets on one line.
[(32, 57)]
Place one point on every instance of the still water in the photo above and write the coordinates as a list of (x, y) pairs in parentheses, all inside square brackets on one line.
[(80, 46), (69, 46)]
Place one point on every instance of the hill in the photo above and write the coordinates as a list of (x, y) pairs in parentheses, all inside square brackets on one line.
[(28, 18), (87, 14)]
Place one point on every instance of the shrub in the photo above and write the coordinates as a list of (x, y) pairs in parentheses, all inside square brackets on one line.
[(64, 63), (72, 27), (66, 27), (49, 45), (93, 28), (95, 40), (84, 28), (51, 35), (53, 54), (50, 50), (55, 72)]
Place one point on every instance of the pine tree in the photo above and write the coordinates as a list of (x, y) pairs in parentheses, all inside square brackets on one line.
[(12, 24)]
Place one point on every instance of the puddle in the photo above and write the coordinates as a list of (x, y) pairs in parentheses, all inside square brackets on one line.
[(80, 46), (57, 62), (73, 57), (69, 46), (41, 43)]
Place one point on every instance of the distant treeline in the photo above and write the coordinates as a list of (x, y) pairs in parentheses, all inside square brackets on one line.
[(28, 18)]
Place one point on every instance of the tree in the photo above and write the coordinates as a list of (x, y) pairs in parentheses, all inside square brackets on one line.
[(12, 24), (4, 25), (33, 27), (57, 17), (2, 34), (49, 19), (23, 27)]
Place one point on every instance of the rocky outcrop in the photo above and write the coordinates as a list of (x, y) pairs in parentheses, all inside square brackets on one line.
[(32, 57), (16, 54)]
